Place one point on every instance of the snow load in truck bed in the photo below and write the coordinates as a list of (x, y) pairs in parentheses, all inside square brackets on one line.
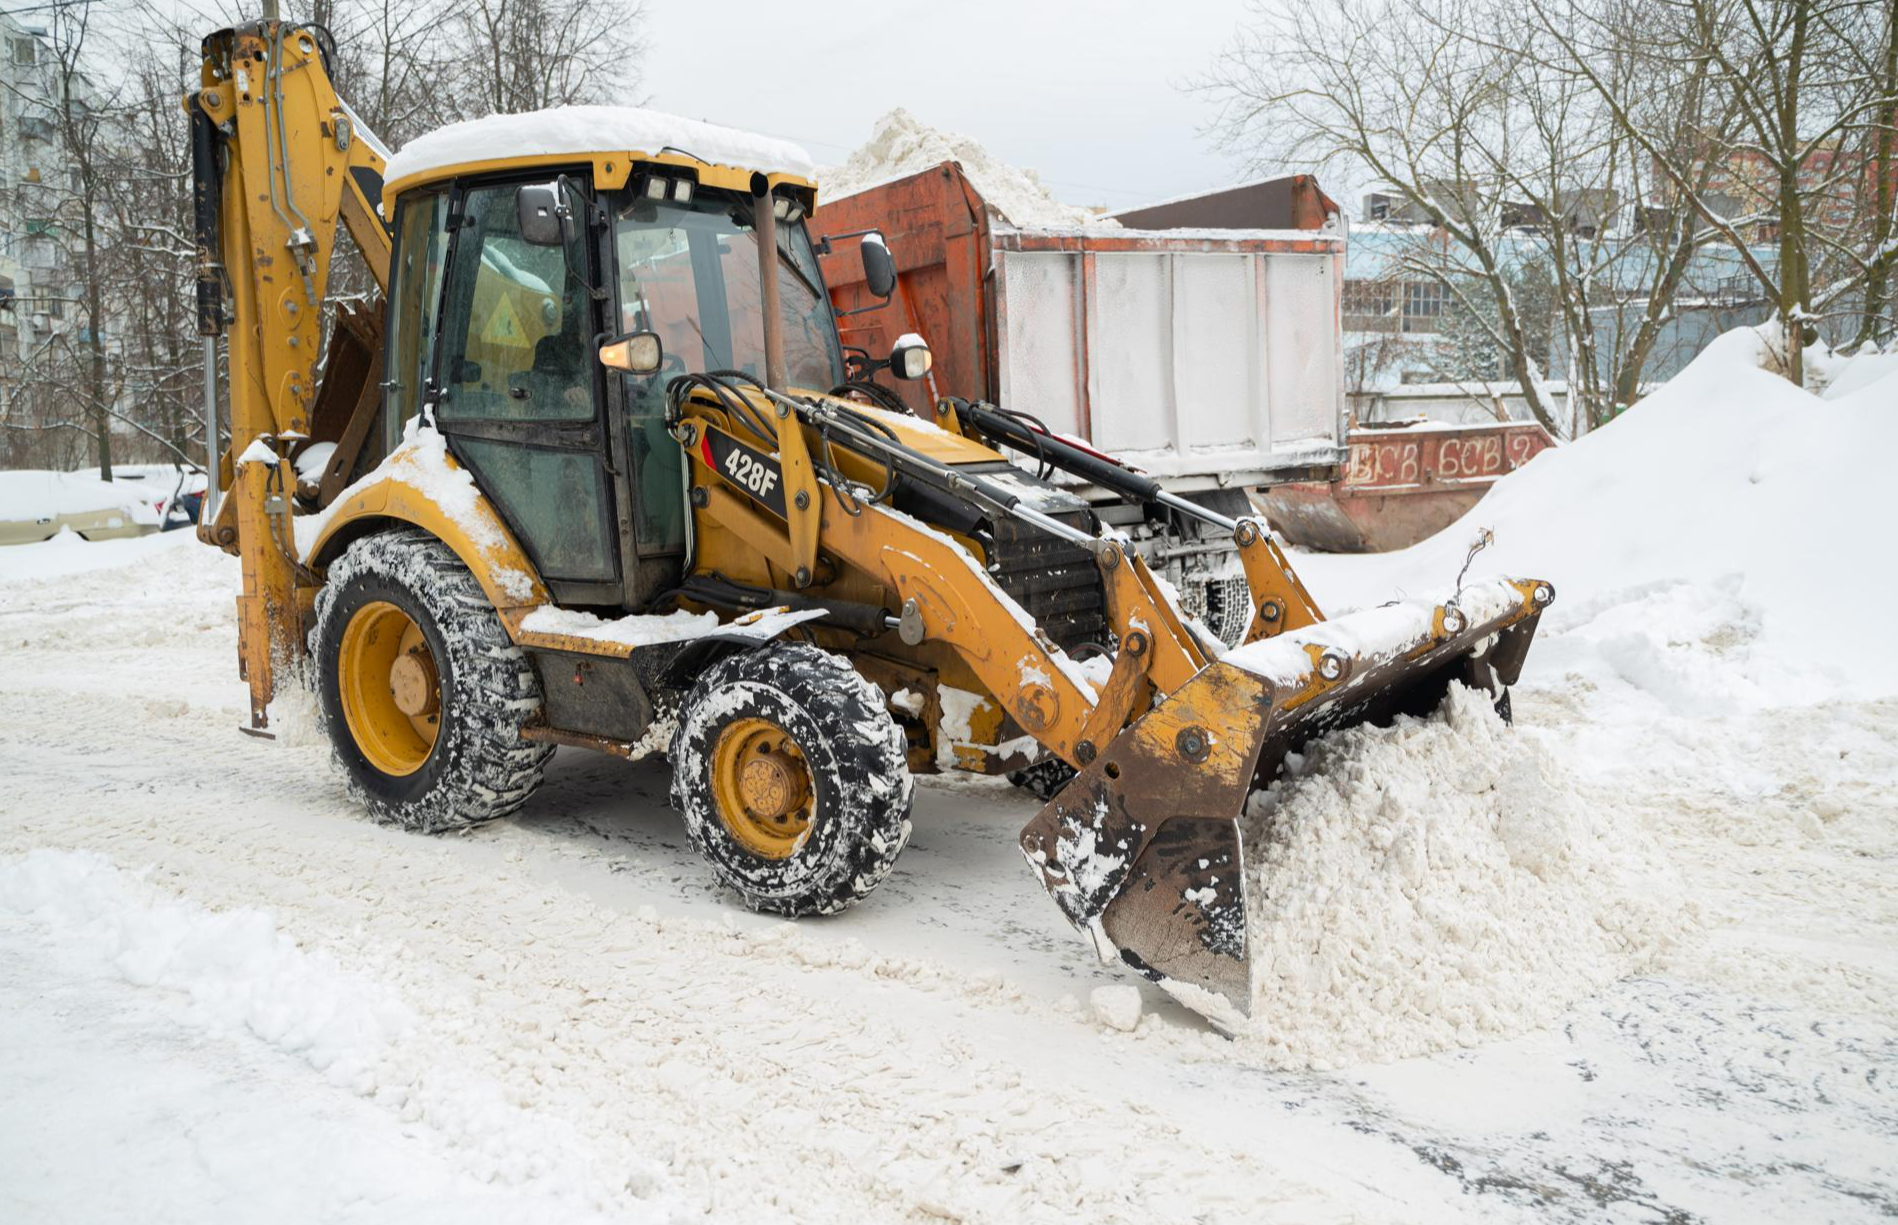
[(589, 129), (901, 145)]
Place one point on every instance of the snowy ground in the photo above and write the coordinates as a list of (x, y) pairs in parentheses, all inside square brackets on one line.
[(226, 996)]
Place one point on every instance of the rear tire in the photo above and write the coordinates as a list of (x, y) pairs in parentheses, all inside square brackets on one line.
[(793, 779), (468, 762)]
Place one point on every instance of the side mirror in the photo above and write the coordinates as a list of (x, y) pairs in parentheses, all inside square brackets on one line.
[(879, 268), (634, 353), (910, 358), (542, 217)]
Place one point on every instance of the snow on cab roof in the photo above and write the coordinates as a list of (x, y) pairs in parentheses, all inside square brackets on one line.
[(594, 129)]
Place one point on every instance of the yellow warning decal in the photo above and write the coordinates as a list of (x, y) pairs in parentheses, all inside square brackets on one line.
[(503, 326)]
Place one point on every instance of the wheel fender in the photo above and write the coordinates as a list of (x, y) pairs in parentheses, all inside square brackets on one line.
[(701, 653), (476, 534)]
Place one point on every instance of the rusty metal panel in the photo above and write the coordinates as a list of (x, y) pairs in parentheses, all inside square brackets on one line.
[(1396, 461), (1294, 202), (938, 232), (1401, 486)]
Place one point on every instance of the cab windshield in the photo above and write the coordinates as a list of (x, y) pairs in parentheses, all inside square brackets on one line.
[(690, 273)]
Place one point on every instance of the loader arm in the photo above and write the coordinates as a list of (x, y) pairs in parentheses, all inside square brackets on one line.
[(1142, 850), (278, 160)]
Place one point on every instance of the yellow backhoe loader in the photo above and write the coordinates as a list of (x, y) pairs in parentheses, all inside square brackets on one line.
[(594, 471)]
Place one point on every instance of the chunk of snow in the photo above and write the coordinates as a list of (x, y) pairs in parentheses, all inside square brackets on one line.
[(312, 459), (1417, 887), (260, 452), (1117, 1005)]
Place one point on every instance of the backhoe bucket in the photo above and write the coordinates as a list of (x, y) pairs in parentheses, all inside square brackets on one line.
[(1143, 850)]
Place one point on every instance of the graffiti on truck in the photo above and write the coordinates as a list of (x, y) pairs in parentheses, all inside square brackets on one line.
[(1395, 459)]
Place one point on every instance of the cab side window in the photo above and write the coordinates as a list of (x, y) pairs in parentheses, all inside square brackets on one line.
[(420, 249), (515, 347)]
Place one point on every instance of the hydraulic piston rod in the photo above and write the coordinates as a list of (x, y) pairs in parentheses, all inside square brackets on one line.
[(1021, 436)]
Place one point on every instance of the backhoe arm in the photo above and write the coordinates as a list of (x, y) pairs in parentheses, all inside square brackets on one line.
[(278, 159)]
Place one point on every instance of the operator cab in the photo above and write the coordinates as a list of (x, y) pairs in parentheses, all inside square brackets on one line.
[(509, 278)]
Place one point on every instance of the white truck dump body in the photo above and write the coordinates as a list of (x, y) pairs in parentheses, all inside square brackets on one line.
[(1213, 355)]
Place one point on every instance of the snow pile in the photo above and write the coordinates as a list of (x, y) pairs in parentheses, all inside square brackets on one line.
[(241, 973), (68, 553), (592, 129), (237, 968), (1436, 883), (1861, 370), (1727, 474), (900, 145)]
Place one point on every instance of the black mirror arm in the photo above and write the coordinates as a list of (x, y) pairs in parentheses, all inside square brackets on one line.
[(823, 244), (595, 216)]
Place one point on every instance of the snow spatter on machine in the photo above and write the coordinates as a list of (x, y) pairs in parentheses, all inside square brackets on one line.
[(422, 462), (956, 726), (655, 629), (1434, 883), (260, 452), (1372, 634), (1062, 660), (905, 421)]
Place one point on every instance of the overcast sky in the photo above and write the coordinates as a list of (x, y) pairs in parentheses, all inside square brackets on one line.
[(1090, 96)]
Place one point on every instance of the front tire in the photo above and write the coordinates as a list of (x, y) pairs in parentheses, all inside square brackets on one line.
[(792, 779), (421, 691)]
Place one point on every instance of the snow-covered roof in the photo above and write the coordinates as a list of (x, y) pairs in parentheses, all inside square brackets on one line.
[(584, 130)]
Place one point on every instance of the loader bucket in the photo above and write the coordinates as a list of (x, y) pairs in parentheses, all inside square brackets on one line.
[(1143, 851)]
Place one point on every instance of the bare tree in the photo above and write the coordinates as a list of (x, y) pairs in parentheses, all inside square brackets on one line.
[(148, 200), (63, 207), (1798, 77), (1881, 227), (1396, 88), (525, 55)]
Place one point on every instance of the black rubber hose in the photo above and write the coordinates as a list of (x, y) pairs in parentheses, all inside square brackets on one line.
[(207, 190)]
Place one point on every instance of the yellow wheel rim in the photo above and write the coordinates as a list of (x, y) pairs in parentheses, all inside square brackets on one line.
[(390, 690), (761, 785)]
